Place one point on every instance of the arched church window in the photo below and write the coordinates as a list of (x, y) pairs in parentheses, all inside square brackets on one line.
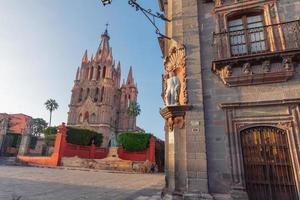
[(93, 118), (96, 95), (98, 72), (102, 94), (80, 95), (104, 72), (91, 73), (80, 118), (87, 93), (86, 117)]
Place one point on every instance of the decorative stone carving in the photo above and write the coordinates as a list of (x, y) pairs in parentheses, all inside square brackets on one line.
[(175, 70), (175, 116), (287, 63), (177, 121), (266, 66), (225, 72), (284, 125), (230, 74), (172, 91), (247, 68)]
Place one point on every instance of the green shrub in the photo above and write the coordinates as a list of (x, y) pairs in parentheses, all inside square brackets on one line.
[(134, 141), (83, 137), (50, 135), (50, 131)]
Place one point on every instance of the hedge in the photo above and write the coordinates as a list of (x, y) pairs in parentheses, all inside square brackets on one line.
[(134, 141), (76, 136), (84, 137)]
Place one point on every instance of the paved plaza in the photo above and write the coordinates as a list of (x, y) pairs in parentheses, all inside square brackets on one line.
[(33, 183)]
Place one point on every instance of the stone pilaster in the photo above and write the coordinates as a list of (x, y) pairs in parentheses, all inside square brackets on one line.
[(25, 141), (3, 131), (186, 169)]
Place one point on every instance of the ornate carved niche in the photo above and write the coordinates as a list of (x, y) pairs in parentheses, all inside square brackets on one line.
[(175, 62), (175, 67), (256, 70)]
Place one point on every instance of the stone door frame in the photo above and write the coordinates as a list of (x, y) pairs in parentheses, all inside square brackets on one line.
[(236, 122)]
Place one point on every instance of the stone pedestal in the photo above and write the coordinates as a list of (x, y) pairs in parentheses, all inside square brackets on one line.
[(113, 152)]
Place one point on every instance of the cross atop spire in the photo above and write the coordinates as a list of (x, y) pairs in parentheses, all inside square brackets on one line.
[(107, 24)]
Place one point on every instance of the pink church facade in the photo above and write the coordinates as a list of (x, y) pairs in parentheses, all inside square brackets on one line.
[(99, 100)]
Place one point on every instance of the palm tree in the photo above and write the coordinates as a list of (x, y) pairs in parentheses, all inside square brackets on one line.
[(133, 109), (51, 105)]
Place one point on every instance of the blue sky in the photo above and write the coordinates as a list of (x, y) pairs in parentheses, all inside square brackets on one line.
[(42, 43)]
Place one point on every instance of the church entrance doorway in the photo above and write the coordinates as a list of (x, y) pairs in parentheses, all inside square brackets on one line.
[(269, 172)]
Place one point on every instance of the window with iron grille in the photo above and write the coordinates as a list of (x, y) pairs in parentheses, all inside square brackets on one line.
[(247, 35)]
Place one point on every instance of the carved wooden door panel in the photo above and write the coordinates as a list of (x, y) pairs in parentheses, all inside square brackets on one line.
[(268, 167)]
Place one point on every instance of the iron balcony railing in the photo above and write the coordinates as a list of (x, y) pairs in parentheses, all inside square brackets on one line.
[(268, 39)]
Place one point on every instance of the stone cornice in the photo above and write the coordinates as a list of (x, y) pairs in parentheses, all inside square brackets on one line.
[(259, 103)]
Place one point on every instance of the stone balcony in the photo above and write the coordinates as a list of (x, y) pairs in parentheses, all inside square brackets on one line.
[(267, 54)]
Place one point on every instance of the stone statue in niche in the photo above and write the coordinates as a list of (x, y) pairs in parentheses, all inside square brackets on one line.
[(173, 90), (287, 63), (266, 66), (112, 142), (247, 69)]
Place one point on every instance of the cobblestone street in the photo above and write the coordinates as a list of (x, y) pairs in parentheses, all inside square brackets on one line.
[(31, 183)]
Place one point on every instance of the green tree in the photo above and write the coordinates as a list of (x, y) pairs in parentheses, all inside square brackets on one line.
[(51, 105), (133, 109), (39, 126)]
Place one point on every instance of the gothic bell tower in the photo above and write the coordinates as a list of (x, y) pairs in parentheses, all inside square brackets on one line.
[(98, 101)]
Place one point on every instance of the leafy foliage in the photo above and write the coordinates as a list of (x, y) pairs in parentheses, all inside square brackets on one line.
[(84, 137), (50, 135), (51, 105), (134, 141), (39, 125), (133, 109)]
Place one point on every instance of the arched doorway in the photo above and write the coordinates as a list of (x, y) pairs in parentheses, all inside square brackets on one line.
[(269, 173)]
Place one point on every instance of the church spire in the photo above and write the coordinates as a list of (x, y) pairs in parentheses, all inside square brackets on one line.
[(104, 48), (130, 79), (85, 58)]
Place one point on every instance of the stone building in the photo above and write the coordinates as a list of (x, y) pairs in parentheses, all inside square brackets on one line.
[(234, 129), (99, 100), (12, 128)]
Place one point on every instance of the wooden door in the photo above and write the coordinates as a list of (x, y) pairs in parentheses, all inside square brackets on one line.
[(268, 168)]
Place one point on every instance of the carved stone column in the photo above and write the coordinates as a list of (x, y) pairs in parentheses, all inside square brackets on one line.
[(175, 168), (25, 141)]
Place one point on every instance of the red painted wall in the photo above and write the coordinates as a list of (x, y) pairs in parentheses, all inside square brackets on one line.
[(64, 149), (148, 154)]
